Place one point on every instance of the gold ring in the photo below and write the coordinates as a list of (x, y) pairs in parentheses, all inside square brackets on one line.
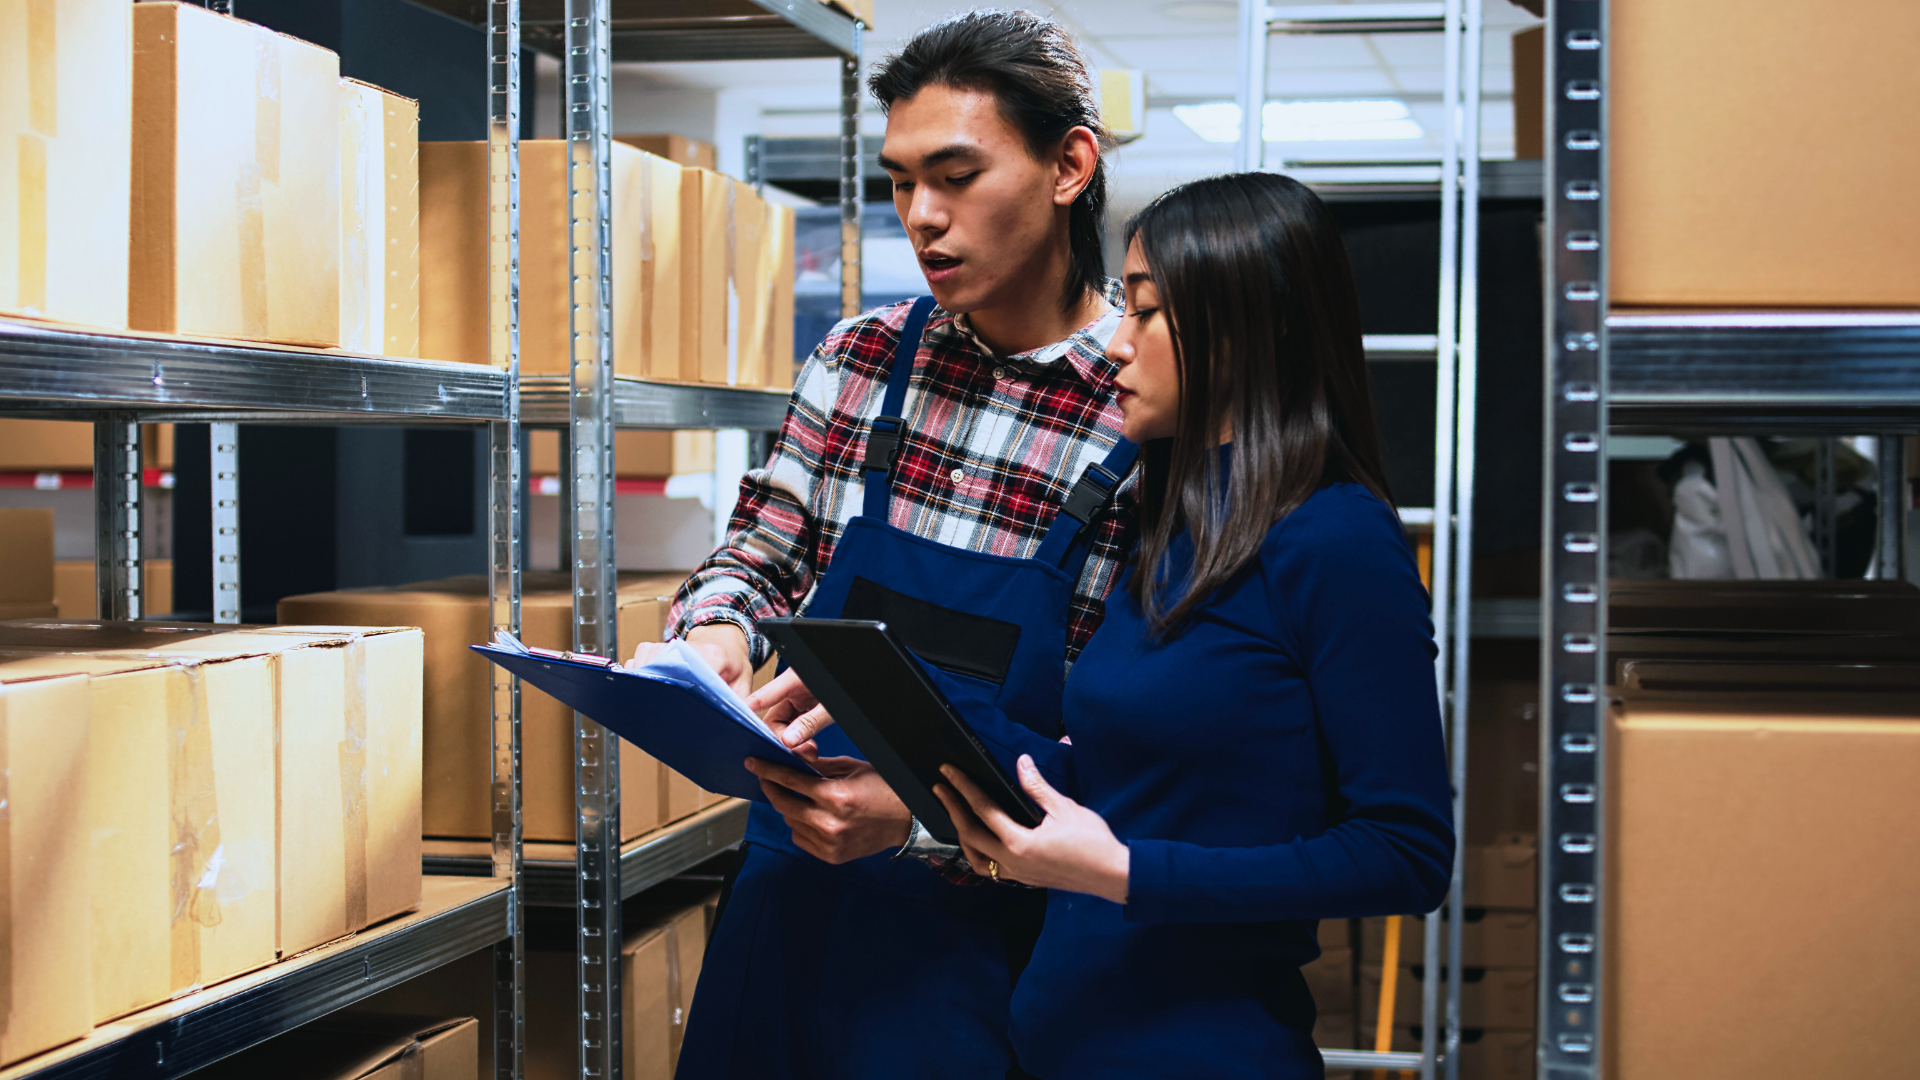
[(993, 871)]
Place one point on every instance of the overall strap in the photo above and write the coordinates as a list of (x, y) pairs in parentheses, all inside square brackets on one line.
[(889, 429), (1090, 495)]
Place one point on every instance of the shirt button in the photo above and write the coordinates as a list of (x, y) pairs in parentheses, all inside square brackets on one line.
[(999, 373), (958, 475)]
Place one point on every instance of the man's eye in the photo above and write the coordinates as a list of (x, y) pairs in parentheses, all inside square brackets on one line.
[(963, 178), (903, 185)]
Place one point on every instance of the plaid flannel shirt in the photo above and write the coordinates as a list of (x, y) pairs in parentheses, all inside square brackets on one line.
[(992, 446)]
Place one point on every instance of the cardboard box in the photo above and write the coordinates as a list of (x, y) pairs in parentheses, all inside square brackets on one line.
[(46, 446), (76, 595), (705, 307), (1331, 980), (180, 814), (1492, 999), (361, 1047), (663, 269), (1488, 938), (647, 454), (678, 149), (48, 928), (1503, 780), (458, 686), (453, 254), (66, 122), (26, 550), (236, 180), (659, 967), (379, 221), (1756, 156), (1729, 819), (750, 312), (157, 445), (1529, 93), (859, 9), (781, 362), (1505, 873)]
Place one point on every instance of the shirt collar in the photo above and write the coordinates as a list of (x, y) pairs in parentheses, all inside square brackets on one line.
[(1084, 350)]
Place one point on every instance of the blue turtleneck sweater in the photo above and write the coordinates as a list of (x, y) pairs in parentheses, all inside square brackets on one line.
[(1278, 762)]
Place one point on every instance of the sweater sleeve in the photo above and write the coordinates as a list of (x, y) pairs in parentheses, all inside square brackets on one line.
[(1351, 610)]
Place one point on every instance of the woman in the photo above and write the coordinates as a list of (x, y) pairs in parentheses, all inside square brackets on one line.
[(1254, 738)]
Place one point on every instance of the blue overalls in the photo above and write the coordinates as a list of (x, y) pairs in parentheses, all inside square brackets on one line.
[(879, 968)]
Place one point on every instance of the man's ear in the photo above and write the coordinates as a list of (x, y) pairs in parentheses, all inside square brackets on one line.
[(1078, 156)]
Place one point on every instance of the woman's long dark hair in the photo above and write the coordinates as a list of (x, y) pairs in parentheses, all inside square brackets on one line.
[(1259, 298)]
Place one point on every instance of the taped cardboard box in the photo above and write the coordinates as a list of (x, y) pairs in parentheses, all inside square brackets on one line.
[(345, 738), (75, 595), (708, 280), (26, 550), (1757, 157), (379, 221), (647, 454), (361, 1047), (1487, 939), (236, 180), (46, 446), (1505, 873), (1730, 818), (781, 362), (664, 270), (180, 812), (453, 254), (678, 149), (1493, 999), (458, 687), (66, 121), (46, 986)]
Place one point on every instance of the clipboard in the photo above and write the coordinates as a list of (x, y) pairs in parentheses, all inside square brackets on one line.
[(672, 720), (881, 696)]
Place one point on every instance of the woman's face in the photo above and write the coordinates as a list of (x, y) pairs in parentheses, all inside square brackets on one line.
[(1149, 379)]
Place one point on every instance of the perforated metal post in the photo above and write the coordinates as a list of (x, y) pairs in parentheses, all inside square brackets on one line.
[(223, 460), (504, 491), (590, 415), (116, 516), (852, 191), (1573, 620)]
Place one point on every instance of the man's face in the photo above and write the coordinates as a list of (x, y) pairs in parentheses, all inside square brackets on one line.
[(980, 209)]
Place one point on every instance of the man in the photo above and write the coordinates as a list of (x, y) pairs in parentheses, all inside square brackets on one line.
[(918, 476)]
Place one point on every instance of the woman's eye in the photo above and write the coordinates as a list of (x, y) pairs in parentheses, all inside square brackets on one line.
[(1143, 314)]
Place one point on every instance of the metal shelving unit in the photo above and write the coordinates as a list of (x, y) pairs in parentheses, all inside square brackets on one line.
[(1631, 373), (119, 380), (1457, 181)]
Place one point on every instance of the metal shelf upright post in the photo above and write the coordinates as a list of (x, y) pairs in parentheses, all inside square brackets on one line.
[(1454, 349), (504, 552)]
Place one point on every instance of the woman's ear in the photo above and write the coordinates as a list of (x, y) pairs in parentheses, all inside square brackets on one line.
[(1079, 156)]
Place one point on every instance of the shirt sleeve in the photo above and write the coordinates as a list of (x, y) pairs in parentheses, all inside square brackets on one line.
[(1354, 614), (771, 557)]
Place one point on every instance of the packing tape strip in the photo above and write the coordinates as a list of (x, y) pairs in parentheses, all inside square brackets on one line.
[(43, 123), (263, 168), (196, 856), (6, 869), (353, 782), (413, 1062), (647, 165)]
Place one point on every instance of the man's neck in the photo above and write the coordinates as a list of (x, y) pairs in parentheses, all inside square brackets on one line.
[(1033, 320)]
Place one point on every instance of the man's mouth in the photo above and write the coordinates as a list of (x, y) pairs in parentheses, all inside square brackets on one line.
[(938, 265)]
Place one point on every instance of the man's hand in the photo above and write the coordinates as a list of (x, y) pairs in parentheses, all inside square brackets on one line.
[(848, 813), (721, 644), (792, 711), (1073, 848)]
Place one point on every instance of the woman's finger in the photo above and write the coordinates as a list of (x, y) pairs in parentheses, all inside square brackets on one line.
[(1037, 788), (973, 835), (984, 807)]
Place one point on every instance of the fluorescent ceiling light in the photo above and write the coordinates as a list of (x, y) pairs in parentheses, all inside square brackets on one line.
[(1305, 121)]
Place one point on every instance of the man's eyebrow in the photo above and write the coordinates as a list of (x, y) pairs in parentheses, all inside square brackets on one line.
[(947, 153)]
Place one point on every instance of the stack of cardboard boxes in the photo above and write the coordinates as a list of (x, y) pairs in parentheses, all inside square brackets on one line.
[(702, 266), (1763, 747), (1333, 981), (457, 748), (191, 802), (183, 172)]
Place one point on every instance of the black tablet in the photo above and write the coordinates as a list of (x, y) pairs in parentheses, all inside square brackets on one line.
[(880, 695)]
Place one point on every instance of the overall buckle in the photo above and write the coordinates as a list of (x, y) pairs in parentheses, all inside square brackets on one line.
[(1090, 493), (883, 445)]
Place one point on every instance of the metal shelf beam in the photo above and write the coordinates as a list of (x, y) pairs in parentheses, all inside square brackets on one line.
[(638, 404), (679, 30), (457, 918)]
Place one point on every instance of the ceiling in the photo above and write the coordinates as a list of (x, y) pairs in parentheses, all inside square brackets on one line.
[(1188, 50)]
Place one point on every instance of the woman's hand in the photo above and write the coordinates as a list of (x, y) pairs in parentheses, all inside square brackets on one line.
[(1073, 848)]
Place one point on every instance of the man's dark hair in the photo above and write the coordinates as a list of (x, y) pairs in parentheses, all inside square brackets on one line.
[(1036, 73)]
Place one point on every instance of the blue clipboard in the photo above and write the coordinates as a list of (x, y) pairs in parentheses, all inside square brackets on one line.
[(667, 718)]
